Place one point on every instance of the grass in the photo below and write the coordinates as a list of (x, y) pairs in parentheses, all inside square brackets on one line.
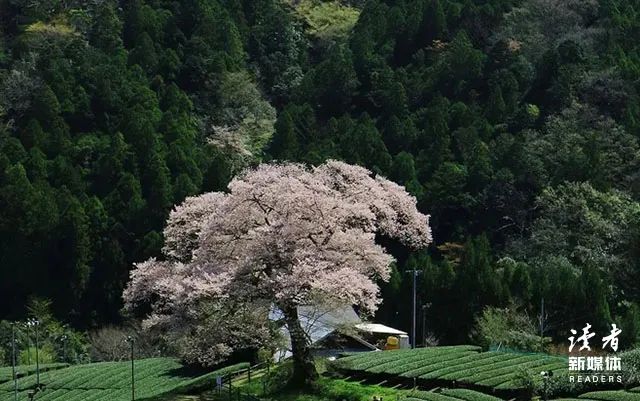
[(328, 20), (328, 389), (332, 389), (155, 378)]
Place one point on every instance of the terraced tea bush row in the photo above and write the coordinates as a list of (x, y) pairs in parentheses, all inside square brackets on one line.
[(99, 375), (501, 376), (570, 399), (368, 360), (499, 370), (409, 364), (6, 373), (420, 357), (483, 361), (513, 382), (452, 395), (611, 396), (494, 369), (497, 362), (430, 396), (430, 367), (112, 380), (505, 376), (367, 356), (468, 395)]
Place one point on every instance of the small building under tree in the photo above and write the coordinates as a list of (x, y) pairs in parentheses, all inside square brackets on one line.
[(335, 331)]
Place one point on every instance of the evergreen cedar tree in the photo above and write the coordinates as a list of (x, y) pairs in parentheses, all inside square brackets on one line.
[(285, 234), (514, 123)]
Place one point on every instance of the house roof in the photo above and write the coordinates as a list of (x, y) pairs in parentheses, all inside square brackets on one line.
[(377, 328), (318, 322)]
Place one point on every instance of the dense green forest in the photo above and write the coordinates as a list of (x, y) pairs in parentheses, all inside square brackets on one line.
[(515, 123)]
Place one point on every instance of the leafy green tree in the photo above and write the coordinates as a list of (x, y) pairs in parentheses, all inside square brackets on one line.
[(156, 188), (332, 83), (360, 142), (245, 113), (475, 277), (399, 135), (589, 230), (630, 325), (285, 142), (106, 28), (493, 113), (73, 249), (434, 21), (580, 145), (403, 171), (509, 328), (496, 107), (144, 54), (277, 45)]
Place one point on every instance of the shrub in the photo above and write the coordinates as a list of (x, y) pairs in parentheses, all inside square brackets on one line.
[(45, 353), (611, 396), (508, 328), (524, 379), (59, 340), (109, 344), (468, 395), (339, 390), (560, 385), (278, 377), (631, 364)]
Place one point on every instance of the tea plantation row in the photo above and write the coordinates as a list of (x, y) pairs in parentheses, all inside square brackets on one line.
[(462, 364), (610, 396), (470, 395), (111, 381), (6, 373), (450, 395)]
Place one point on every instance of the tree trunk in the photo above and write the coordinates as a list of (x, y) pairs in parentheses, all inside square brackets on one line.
[(304, 370)]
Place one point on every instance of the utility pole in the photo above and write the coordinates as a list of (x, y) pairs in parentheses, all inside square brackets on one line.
[(424, 324), (64, 339), (35, 323), (28, 327), (13, 361), (542, 321), (129, 339), (414, 273)]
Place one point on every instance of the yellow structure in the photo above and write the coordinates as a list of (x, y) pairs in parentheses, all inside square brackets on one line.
[(392, 343)]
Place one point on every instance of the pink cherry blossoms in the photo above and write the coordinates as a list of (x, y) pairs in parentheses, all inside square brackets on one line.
[(285, 234)]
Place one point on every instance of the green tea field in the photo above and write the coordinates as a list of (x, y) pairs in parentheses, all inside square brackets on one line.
[(610, 396), (6, 373), (450, 395), (494, 371), (154, 378)]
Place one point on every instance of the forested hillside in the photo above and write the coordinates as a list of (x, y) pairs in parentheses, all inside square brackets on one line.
[(514, 123)]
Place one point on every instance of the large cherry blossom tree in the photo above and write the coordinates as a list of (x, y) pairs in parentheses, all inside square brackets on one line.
[(286, 235)]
